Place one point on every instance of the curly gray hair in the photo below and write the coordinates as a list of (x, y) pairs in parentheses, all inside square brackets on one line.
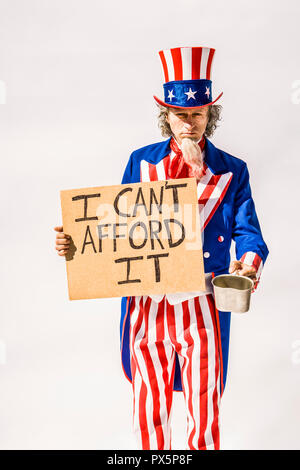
[(214, 115)]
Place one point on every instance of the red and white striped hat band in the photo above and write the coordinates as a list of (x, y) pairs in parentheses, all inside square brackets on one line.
[(189, 70)]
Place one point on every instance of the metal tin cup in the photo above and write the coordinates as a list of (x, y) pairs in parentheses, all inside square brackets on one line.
[(232, 292)]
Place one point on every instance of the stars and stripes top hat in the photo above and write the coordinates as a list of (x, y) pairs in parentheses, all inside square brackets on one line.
[(187, 72)]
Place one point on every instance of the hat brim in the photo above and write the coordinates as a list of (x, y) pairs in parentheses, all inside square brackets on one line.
[(162, 103)]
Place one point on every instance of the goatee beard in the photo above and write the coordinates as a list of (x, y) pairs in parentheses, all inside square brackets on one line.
[(192, 154)]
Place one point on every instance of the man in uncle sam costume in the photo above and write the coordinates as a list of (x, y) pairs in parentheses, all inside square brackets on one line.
[(180, 341)]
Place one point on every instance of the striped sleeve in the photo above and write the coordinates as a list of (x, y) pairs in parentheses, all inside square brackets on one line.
[(255, 261)]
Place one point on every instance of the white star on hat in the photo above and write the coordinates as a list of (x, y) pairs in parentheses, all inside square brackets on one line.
[(170, 95), (190, 94), (207, 92)]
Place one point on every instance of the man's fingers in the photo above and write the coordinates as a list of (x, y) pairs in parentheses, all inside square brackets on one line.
[(248, 274), (62, 235), (62, 247), (63, 241), (248, 271), (234, 266), (251, 276), (62, 252), (242, 269), (60, 232)]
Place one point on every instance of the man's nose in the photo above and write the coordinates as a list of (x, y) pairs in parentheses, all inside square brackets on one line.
[(189, 123), (190, 120)]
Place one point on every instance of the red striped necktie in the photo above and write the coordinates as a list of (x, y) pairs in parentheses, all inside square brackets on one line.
[(179, 168)]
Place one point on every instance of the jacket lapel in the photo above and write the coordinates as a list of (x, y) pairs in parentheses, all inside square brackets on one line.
[(211, 188)]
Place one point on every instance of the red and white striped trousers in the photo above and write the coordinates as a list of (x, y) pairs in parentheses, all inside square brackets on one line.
[(157, 331)]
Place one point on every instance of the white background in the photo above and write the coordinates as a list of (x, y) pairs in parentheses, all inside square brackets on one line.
[(79, 79)]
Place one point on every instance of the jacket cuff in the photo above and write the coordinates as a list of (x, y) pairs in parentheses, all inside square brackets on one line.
[(254, 260)]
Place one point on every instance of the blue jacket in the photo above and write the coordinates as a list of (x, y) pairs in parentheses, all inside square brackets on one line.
[(234, 218)]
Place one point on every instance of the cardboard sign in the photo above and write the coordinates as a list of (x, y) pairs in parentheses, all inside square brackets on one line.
[(133, 239)]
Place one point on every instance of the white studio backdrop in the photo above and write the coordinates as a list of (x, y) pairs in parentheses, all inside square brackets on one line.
[(76, 85)]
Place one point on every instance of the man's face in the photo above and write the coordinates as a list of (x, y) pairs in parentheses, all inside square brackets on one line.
[(190, 123)]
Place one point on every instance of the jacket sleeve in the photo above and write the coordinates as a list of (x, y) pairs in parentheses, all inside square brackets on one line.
[(250, 247), (128, 172)]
